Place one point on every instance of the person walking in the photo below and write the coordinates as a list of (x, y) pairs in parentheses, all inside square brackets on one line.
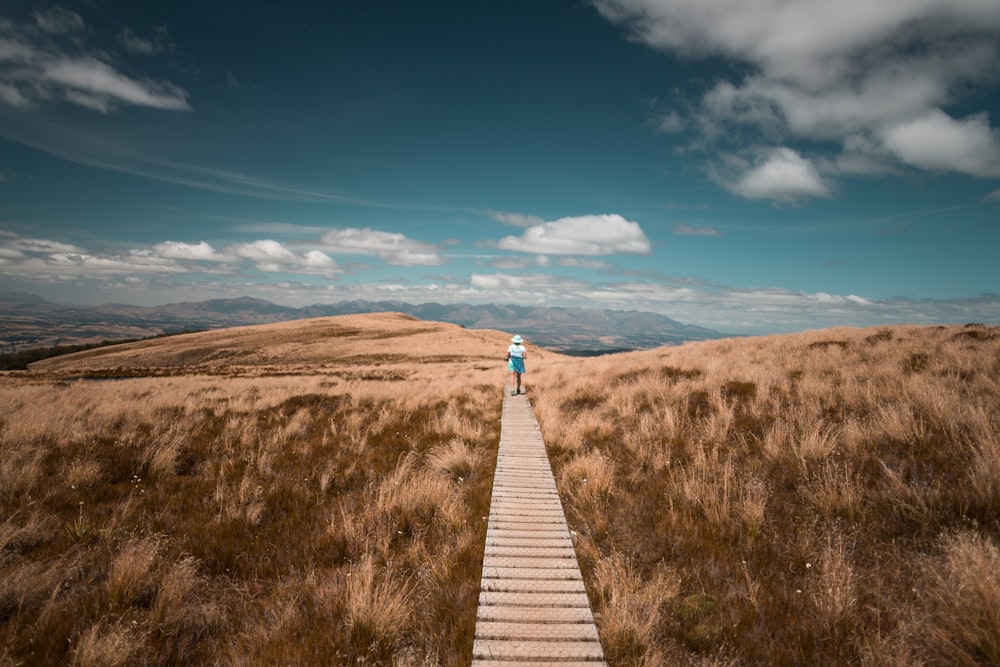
[(516, 354)]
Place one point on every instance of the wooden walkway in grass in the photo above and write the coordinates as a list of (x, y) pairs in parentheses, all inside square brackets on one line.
[(533, 608)]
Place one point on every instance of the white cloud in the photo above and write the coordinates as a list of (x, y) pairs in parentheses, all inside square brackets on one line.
[(267, 255), (526, 288), (41, 246), (606, 234), (318, 260), (390, 247), (56, 269), (937, 141), (781, 175), (32, 258), (822, 70), (201, 251), (265, 250), (49, 62), (993, 196), (98, 80), (515, 219), (90, 265)]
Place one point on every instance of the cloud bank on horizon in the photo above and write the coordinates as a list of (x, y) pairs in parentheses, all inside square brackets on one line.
[(783, 118)]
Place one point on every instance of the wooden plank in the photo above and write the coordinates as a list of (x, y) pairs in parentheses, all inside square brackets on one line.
[(533, 607)]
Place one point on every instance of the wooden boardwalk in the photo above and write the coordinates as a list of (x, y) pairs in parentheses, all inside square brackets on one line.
[(533, 608)]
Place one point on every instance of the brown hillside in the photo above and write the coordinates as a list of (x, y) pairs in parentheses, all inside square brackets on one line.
[(386, 345), (825, 498), (315, 493), (306, 493)]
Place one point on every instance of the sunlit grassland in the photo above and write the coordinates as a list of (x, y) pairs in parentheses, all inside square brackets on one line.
[(308, 493), (316, 492), (826, 498)]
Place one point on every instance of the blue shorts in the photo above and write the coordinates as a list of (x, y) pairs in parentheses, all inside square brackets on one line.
[(516, 364)]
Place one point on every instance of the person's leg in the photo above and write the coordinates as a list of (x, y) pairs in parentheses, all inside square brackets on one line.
[(519, 383), (513, 376)]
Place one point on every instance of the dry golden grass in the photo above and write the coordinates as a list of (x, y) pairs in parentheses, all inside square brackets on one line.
[(831, 497), (316, 493), (307, 493)]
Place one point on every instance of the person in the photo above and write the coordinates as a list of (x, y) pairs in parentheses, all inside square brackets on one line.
[(516, 354)]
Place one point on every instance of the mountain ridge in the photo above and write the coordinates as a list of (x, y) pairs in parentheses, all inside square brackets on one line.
[(31, 321)]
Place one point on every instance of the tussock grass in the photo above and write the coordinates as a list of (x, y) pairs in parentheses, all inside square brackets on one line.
[(307, 493), (829, 497), (316, 493)]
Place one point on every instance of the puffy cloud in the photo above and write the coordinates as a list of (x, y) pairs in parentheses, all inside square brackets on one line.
[(66, 265), (44, 62), (266, 250), (391, 247), (939, 142), (606, 234), (812, 42), (318, 260), (273, 257), (829, 71), (782, 175), (32, 258), (200, 251)]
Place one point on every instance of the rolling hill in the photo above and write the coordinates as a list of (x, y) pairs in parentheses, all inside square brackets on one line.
[(28, 321)]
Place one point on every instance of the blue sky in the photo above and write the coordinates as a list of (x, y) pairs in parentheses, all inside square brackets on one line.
[(753, 166)]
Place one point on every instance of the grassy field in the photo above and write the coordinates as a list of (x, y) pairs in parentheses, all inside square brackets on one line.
[(306, 493), (826, 498), (315, 493)]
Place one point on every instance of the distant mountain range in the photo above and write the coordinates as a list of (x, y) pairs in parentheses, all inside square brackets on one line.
[(28, 321)]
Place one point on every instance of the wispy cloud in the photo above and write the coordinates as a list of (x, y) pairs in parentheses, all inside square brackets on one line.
[(44, 63), (874, 77), (514, 262), (592, 264), (695, 230), (391, 247), (46, 260), (58, 20), (95, 151), (515, 219), (606, 234)]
